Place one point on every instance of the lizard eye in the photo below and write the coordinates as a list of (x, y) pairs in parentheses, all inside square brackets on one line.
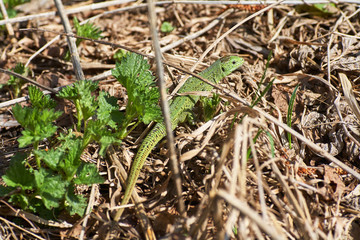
[(233, 62), (223, 69)]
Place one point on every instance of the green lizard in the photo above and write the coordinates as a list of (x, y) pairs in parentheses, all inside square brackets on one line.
[(180, 108)]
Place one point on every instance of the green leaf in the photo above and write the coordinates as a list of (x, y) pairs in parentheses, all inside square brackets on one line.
[(70, 93), (166, 27), (17, 83), (210, 106), (28, 138), (75, 204), (87, 30), (66, 139), (119, 54), (81, 94), (88, 108), (20, 199), (39, 100), (290, 111), (17, 175), (13, 3), (51, 187), (97, 131), (143, 95), (37, 123), (319, 9), (72, 161), (5, 190), (24, 116), (118, 117), (20, 69), (36, 205), (79, 90), (51, 157), (254, 141), (39, 133), (11, 13), (107, 105), (88, 174)]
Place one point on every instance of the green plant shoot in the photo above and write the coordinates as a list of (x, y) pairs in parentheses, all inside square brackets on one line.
[(143, 95), (290, 111), (49, 186), (88, 30), (166, 27), (209, 106), (15, 84)]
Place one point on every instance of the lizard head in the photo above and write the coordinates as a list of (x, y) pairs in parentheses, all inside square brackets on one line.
[(230, 64)]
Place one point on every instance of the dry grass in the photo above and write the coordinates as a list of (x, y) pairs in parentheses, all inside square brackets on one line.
[(274, 192)]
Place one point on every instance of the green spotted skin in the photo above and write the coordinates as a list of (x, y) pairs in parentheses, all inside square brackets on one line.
[(179, 109)]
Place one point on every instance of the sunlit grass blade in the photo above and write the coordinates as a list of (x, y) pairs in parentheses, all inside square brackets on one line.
[(266, 68), (248, 155), (289, 113), (271, 140), (263, 93)]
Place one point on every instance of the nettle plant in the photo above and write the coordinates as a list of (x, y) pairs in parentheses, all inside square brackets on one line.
[(43, 181), (15, 84)]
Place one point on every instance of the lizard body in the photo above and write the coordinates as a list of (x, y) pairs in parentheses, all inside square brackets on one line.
[(180, 108)]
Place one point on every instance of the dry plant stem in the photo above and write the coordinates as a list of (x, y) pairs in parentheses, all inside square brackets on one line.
[(42, 49), (27, 80), (134, 51), (269, 191), (294, 202), (47, 45), (257, 2), (140, 210), (46, 92), (231, 221), (68, 11), (340, 20), (346, 35), (281, 25), (238, 25), (6, 17), (337, 105), (218, 173), (349, 95), (244, 208), (310, 144), (259, 178), (237, 173), (22, 229), (193, 36), (28, 217), (346, 19), (117, 2), (237, 98), (129, 8), (198, 33), (88, 209), (238, 179), (243, 159), (71, 41), (165, 107)]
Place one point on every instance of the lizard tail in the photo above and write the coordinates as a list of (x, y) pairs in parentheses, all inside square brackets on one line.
[(155, 135)]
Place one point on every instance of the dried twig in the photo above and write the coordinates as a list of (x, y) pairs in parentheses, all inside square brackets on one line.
[(75, 58)]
